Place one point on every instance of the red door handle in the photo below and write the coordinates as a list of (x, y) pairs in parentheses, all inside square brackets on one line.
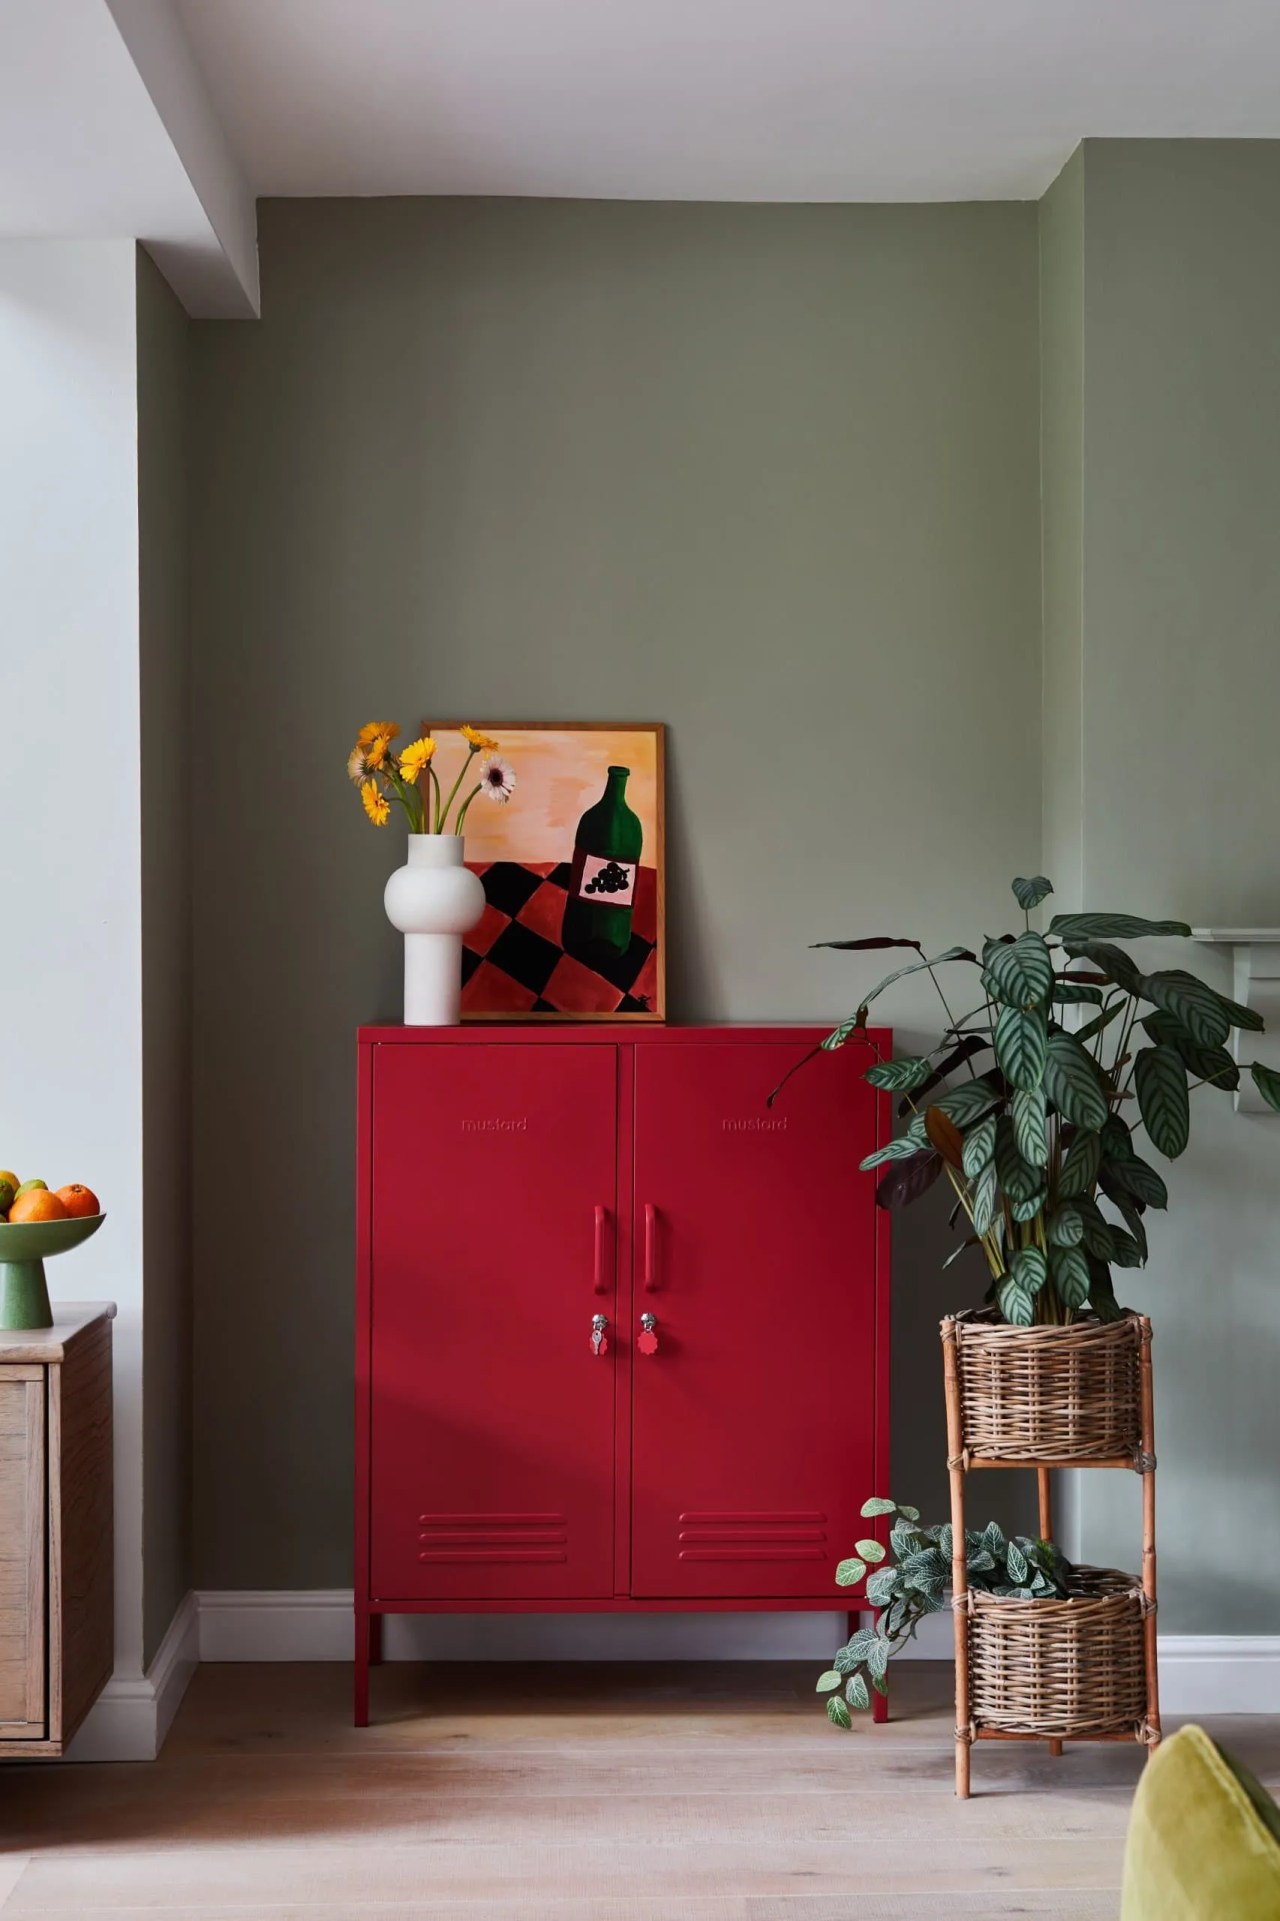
[(600, 1279), (650, 1248)]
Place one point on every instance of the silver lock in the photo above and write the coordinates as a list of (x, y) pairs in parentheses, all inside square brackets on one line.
[(599, 1322)]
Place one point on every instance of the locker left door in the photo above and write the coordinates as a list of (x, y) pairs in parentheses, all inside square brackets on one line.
[(494, 1214)]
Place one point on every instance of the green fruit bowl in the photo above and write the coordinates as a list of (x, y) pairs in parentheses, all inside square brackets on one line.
[(25, 1246)]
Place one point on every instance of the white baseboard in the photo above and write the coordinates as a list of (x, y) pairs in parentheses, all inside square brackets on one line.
[(1199, 1674), (1220, 1673), (131, 1717)]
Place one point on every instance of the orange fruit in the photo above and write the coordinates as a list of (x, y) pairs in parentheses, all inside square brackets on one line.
[(79, 1200), (37, 1204)]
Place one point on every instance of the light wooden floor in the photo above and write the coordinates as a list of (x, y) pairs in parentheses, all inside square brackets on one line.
[(646, 1793)]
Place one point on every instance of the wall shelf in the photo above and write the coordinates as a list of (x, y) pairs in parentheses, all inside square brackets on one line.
[(1256, 985)]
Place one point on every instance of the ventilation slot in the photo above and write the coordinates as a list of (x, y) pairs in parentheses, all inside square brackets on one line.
[(752, 1537), (456, 1539)]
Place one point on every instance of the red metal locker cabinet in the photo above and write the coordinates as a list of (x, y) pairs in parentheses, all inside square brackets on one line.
[(753, 1417), (493, 1221)]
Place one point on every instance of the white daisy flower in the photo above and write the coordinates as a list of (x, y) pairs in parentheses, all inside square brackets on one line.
[(497, 777)]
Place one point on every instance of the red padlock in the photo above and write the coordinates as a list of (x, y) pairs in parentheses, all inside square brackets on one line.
[(647, 1340)]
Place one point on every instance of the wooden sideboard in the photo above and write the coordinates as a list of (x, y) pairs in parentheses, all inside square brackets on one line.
[(622, 1328), (57, 1632)]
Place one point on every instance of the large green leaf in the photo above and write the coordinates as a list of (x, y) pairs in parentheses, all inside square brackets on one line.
[(907, 1072), (1029, 1125), (971, 1044), (1028, 1209), (1102, 1295), (1022, 1039), (1070, 1267), (1096, 1230), (1135, 1179), (1016, 1291), (1111, 961), (1020, 971), (838, 1712), (1125, 1251), (979, 1147), (906, 1180), (1131, 1213), (1160, 1079), (1067, 992), (891, 1151), (1030, 893), (1117, 1142), (1202, 1012), (1015, 1304), (986, 1199), (1206, 1063), (1267, 1082), (1065, 1227), (1080, 1168), (1076, 927), (968, 1102), (1071, 1081), (1018, 1180)]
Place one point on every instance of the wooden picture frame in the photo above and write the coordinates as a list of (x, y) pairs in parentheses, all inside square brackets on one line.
[(515, 964)]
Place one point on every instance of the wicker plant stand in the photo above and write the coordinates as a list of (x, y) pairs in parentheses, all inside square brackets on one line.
[(1082, 1669)]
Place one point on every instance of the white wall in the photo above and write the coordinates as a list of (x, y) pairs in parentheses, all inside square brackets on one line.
[(70, 906)]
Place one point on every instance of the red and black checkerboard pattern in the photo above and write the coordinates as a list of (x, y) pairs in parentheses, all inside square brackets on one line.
[(513, 962)]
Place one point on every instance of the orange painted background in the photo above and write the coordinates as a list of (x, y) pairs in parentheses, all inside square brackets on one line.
[(559, 774)]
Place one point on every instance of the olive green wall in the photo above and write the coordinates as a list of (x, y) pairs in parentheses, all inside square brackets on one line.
[(1177, 696), (768, 474), (163, 335)]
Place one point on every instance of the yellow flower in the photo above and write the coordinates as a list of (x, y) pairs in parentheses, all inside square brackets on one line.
[(476, 740), (375, 803), (376, 751), (355, 765), (370, 733), (414, 759)]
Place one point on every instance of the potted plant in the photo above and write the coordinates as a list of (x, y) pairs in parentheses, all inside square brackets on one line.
[(1033, 1104), (433, 899), (1036, 1625)]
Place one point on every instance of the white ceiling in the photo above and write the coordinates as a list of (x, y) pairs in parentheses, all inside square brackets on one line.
[(163, 119), (719, 99), (107, 132)]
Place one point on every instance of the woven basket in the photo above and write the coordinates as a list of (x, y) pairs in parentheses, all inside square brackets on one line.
[(1048, 1394), (1060, 1668)]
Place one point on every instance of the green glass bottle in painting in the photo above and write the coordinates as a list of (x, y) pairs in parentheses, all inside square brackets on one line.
[(602, 886)]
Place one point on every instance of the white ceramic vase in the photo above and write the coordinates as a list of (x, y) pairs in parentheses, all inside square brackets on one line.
[(433, 900)]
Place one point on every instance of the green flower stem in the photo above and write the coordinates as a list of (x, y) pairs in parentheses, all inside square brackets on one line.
[(434, 784), (462, 813), (444, 812)]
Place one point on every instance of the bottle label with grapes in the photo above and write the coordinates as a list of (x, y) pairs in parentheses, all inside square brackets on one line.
[(612, 882)]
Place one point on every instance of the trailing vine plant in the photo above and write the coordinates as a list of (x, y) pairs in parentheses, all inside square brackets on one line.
[(912, 1582), (1036, 1140)]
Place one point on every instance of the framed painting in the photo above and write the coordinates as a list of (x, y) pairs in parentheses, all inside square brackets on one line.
[(572, 867)]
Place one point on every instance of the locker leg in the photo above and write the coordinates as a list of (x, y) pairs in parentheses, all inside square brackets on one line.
[(375, 1640)]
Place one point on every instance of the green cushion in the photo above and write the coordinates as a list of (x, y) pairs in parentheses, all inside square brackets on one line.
[(1204, 1839)]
